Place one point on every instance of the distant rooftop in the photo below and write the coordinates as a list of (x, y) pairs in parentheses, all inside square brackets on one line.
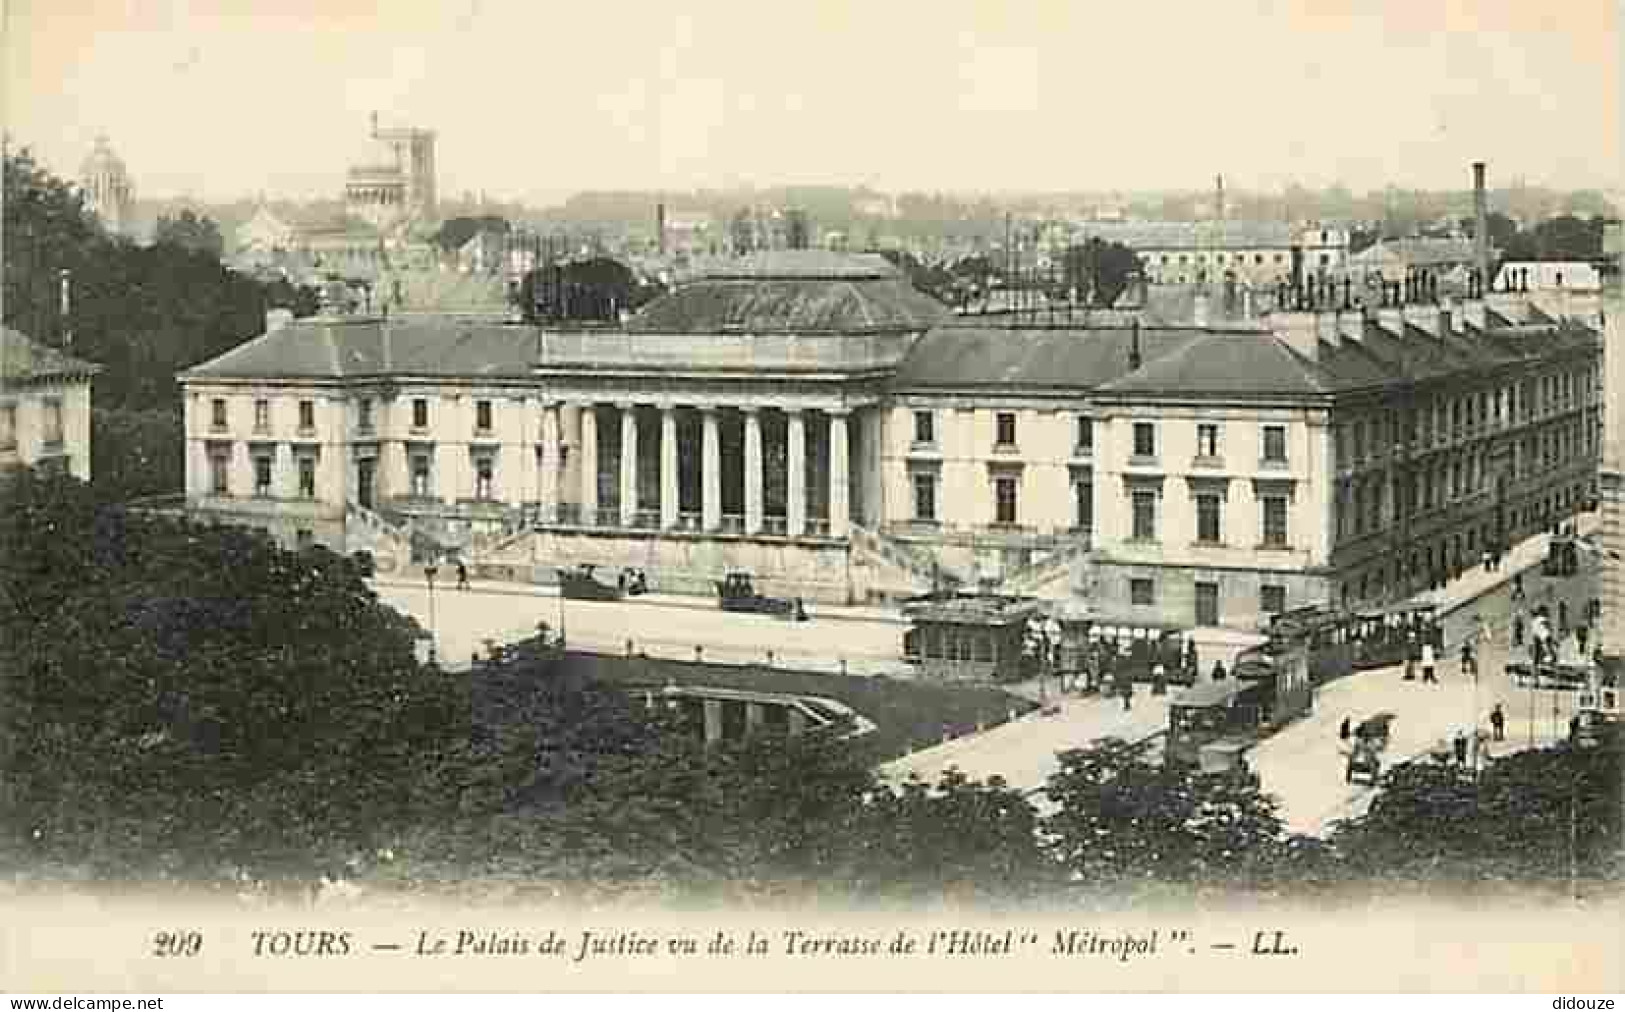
[(24, 360)]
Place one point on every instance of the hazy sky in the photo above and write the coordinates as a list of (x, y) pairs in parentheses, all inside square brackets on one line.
[(537, 99)]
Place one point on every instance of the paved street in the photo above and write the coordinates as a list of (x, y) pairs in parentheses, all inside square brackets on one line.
[(1024, 752), (1303, 765), (867, 640)]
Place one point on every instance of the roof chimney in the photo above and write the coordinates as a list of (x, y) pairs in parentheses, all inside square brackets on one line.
[(660, 227), (1481, 228), (1134, 347)]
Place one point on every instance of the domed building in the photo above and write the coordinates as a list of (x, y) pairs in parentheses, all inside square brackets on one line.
[(107, 189), (391, 184)]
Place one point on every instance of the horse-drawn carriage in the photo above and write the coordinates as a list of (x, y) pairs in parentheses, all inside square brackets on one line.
[(1370, 740), (736, 592), (584, 584)]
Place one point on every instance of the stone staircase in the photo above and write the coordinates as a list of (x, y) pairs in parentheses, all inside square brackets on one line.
[(389, 543), (897, 569), (1050, 576)]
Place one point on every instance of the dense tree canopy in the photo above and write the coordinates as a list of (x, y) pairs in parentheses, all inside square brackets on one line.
[(194, 703), (142, 312)]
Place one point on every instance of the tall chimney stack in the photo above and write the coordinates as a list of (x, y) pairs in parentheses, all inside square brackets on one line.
[(1218, 199), (1481, 228), (660, 227), (65, 305)]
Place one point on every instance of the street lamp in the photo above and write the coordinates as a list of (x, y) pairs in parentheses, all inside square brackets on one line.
[(429, 572)]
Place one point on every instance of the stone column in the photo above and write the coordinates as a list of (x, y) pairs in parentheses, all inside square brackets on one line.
[(796, 480), (629, 464), (284, 474), (668, 467), (548, 484), (711, 464), (753, 470), (713, 720), (589, 465), (754, 718), (840, 511)]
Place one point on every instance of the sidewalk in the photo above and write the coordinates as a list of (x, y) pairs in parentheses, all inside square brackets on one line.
[(1475, 583)]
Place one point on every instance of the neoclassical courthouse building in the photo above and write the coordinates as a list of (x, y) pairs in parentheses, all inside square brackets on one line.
[(811, 418)]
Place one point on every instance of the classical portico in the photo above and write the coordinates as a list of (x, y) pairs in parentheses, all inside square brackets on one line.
[(727, 426)]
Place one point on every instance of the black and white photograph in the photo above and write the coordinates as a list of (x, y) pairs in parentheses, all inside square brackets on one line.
[(922, 496)]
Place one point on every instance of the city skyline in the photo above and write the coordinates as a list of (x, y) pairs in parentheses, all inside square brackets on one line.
[(960, 97)]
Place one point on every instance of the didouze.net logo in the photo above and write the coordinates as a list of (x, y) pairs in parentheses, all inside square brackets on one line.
[(1567, 1003)]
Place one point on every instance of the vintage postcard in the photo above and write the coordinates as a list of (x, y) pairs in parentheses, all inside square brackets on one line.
[(953, 496)]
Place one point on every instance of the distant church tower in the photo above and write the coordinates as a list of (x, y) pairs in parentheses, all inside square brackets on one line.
[(106, 186), (393, 181)]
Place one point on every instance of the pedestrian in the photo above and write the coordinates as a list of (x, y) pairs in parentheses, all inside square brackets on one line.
[(1469, 663), (1218, 671), (1343, 730), (1581, 634), (1159, 680), (1517, 630), (1489, 561), (462, 575), (1128, 694), (1498, 723), (1459, 745), (1562, 619), (1427, 663)]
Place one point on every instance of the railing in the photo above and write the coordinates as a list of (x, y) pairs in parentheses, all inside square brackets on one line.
[(566, 513), (714, 351), (646, 519), (608, 516), (732, 523), (687, 521), (777, 527), (817, 527)]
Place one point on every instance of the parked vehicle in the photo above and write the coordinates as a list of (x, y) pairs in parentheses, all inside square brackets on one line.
[(1210, 713), (584, 583), (736, 592)]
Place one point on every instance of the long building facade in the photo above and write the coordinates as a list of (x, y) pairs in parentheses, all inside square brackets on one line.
[(811, 418)]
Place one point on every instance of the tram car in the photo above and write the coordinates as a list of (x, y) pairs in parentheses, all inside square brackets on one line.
[(1280, 667), (1225, 714), (1328, 633), (1131, 651)]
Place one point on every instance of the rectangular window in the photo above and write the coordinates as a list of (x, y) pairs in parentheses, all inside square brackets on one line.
[(1145, 439), (8, 426), (1275, 444), (1145, 516), (484, 471), (925, 497), (217, 417), (482, 416), (307, 416), (1005, 429), (1142, 592), (1207, 519), (219, 474), (364, 414), (52, 430), (1275, 521), (262, 415), (1084, 445), (1272, 599), (420, 413), (262, 475), (1207, 440), (1004, 500), (420, 475), (925, 429), (1083, 493)]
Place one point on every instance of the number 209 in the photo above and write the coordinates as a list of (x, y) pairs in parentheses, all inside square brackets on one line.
[(177, 943)]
